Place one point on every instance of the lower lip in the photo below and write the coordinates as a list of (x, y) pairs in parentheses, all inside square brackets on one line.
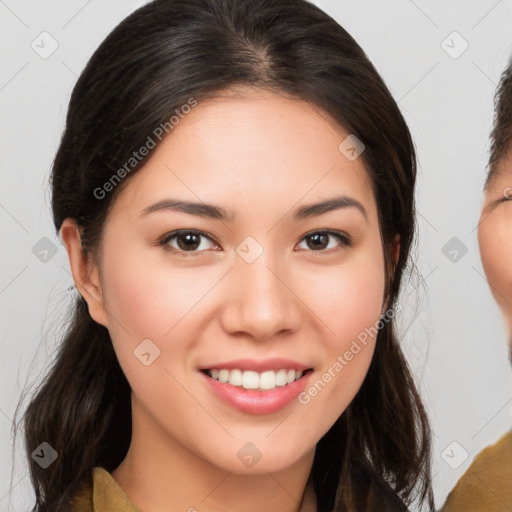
[(257, 402)]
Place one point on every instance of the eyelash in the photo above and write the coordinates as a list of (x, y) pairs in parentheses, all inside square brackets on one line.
[(345, 240)]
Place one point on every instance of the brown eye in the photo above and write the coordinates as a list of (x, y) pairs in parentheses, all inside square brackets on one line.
[(186, 241), (320, 240)]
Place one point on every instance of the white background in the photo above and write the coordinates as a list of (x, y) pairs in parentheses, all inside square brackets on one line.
[(454, 335)]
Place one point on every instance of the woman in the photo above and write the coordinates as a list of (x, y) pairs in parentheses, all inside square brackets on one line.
[(235, 191)]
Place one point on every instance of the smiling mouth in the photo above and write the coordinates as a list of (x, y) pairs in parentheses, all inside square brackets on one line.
[(257, 381)]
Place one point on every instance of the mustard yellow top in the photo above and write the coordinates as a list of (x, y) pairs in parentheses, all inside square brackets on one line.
[(487, 484), (106, 495)]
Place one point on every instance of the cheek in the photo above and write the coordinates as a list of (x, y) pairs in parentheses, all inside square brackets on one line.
[(347, 298), (495, 240), (162, 304), (151, 299), (348, 302)]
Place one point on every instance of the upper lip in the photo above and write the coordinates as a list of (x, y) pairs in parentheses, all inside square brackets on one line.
[(275, 364)]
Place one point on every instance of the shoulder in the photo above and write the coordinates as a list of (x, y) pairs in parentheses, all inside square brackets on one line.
[(101, 494), (486, 485)]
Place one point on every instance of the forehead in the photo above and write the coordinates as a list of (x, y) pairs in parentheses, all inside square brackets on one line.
[(250, 146)]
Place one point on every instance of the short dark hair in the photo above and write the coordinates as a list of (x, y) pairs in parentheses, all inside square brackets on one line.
[(501, 135)]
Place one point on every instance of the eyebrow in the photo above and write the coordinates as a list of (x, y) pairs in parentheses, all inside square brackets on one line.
[(216, 212)]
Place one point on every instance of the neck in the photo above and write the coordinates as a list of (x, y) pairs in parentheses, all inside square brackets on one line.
[(160, 474)]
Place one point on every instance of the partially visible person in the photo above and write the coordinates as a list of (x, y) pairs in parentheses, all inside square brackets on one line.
[(487, 484)]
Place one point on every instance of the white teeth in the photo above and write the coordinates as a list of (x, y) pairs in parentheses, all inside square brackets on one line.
[(268, 380), (281, 378), (250, 380), (253, 380), (235, 377)]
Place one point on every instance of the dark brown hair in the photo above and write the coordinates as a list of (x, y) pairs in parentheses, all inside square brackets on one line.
[(153, 62), (501, 134)]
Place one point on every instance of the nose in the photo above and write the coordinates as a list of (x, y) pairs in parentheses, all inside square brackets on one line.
[(260, 300)]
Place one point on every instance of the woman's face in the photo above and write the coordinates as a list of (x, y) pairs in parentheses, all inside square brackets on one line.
[(495, 238), (261, 289)]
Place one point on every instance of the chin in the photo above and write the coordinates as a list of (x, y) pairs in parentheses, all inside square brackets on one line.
[(249, 459)]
